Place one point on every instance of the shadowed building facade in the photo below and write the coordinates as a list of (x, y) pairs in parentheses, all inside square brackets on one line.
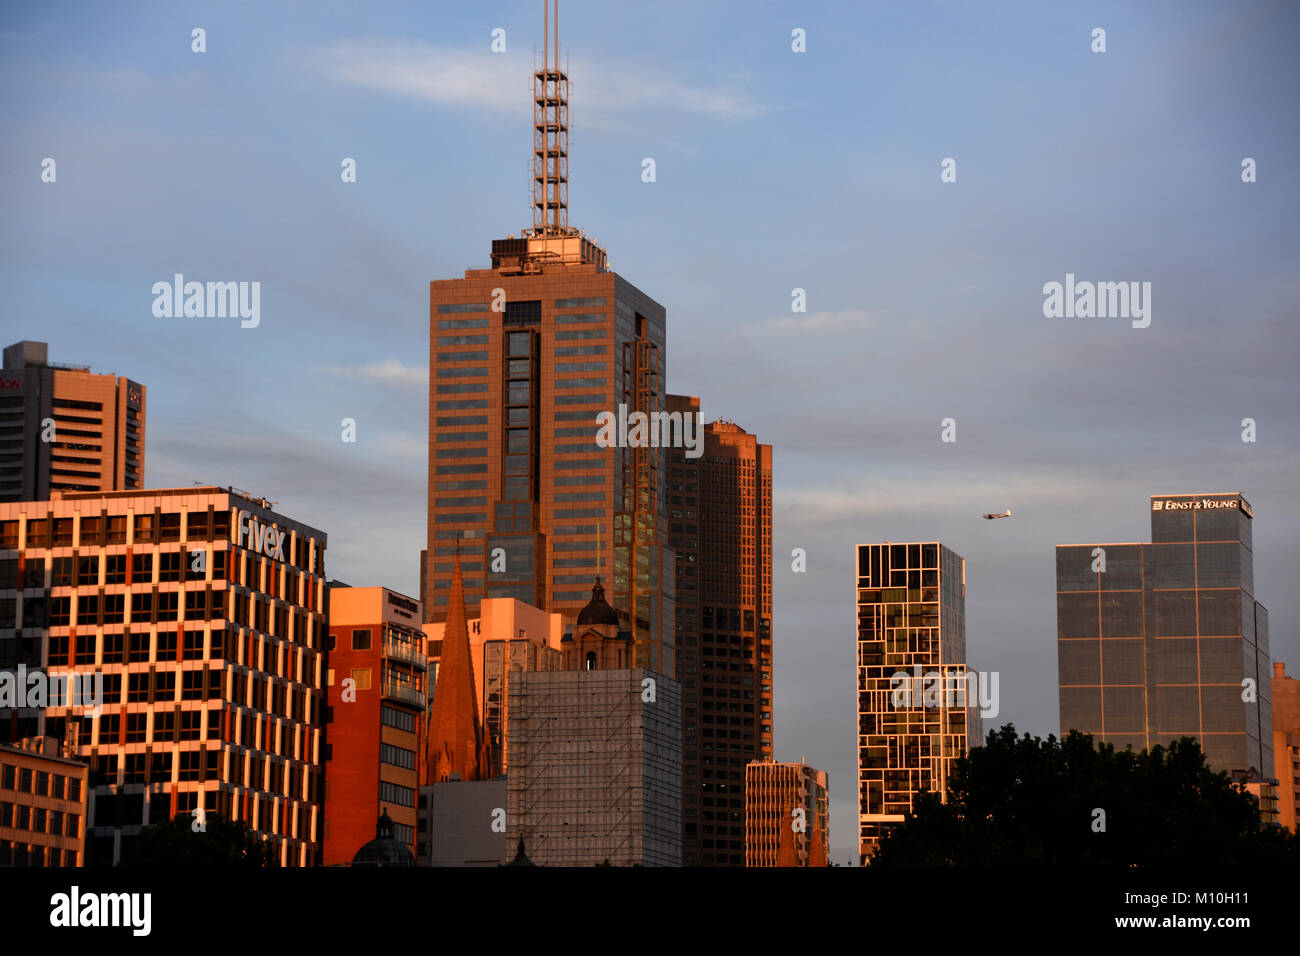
[(720, 527), (1164, 640)]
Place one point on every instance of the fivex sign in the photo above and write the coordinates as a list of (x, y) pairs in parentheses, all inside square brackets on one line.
[(259, 536)]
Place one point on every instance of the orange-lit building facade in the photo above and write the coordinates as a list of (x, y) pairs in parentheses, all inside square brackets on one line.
[(63, 428), (1286, 744), (787, 815), (203, 611), (42, 805), (720, 528), (533, 637), (374, 722)]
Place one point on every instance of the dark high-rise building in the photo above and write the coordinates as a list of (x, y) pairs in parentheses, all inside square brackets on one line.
[(523, 357), (720, 514), (65, 429), (1163, 640), (916, 711)]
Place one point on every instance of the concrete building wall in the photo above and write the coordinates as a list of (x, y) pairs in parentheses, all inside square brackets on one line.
[(465, 823)]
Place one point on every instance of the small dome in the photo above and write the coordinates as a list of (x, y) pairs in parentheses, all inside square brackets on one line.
[(598, 611), (384, 850)]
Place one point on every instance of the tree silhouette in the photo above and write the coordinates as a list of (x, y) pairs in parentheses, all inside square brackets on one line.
[(1027, 801), (221, 843)]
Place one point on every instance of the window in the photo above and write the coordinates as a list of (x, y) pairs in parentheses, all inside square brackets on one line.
[(361, 639), (88, 571), (397, 756), (62, 572), (169, 566), (392, 793), (141, 568), (7, 773), (361, 677), (115, 569), (399, 719), (114, 608)]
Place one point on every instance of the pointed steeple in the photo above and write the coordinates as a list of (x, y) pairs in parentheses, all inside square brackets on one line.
[(456, 743)]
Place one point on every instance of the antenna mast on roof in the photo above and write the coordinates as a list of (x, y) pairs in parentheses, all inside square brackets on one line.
[(551, 134)]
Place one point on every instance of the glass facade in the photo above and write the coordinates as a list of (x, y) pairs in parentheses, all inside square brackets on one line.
[(1163, 640), (914, 715)]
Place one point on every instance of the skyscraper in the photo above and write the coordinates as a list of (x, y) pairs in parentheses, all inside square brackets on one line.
[(916, 712), (1163, 640), (62, 428), (720, 513), (523, 357)]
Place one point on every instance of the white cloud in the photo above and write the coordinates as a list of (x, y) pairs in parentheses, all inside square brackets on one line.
[(484, 80), (389, 372)]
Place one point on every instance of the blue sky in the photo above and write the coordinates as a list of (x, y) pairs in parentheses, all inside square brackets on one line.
[(775, 170)]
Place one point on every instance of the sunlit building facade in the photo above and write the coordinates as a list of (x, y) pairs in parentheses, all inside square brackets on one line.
[(917, 714), (787, 815), (203, 611)]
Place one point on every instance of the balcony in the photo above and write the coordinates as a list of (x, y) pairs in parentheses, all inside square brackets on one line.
[(395, 690), (403, 651)]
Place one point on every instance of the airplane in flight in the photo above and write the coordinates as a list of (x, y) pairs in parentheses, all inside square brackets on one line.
[(1005, 514)]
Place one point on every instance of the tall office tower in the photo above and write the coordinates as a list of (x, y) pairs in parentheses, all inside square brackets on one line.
[(523, 356), (595, 753), (1286, 744), (195, 619), (372, 736), (64, 429), (787, 815), (1163, 640), (915, 714), (721, 532)]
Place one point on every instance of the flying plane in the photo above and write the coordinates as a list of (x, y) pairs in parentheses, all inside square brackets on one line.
[(1005, 514)]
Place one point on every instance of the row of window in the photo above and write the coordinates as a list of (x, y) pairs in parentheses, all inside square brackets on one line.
[(16, 853), (41, 783), (40, 820)]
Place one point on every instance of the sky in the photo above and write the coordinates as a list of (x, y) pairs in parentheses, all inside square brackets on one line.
[(775, 170)]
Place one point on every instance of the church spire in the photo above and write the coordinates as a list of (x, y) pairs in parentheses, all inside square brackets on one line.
[(456, 743)]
